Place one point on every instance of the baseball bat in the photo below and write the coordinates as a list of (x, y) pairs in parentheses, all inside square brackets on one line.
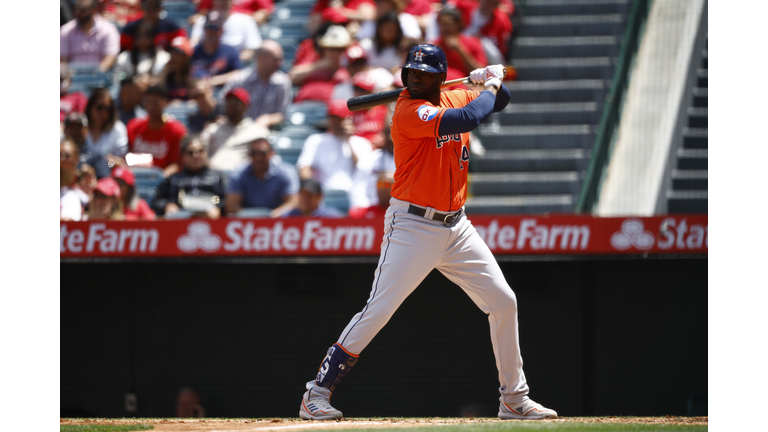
[(369, 101)]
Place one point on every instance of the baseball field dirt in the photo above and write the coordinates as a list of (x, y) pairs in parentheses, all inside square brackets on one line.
[(264, 425)]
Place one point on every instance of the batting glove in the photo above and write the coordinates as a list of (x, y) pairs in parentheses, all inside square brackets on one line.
[(494, 71), (477, 76)]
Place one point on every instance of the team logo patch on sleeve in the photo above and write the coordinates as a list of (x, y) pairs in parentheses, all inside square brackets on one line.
[(428, 113)]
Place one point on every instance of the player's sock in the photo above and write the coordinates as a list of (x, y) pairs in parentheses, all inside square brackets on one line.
[(336, 365)]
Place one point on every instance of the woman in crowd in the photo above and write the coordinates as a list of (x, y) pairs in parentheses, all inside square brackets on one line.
[(464, 53), (145, 60), (383, 49), (176, 75), (106, 203), (107, 135), (134, 207)]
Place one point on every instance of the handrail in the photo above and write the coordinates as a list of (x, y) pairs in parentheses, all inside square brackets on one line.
[(609, 121)]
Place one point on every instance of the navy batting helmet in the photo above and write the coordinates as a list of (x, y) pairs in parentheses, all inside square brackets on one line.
[(425, 57)]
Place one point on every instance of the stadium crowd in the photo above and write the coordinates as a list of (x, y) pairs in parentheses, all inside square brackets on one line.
[(208, 108)]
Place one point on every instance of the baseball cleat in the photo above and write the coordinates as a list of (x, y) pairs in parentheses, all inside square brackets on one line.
[(528, 410), (318, 409)]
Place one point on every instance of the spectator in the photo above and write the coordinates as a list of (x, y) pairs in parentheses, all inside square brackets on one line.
[(196, 188), (318, 79), (373, 182), (486, 20), (464, 53), (423, 11), (134, 207), (355, 61), (356, 11), (177, 73), (307, 51), (106, 203), (239, 31), (383, 50), (227, 138), (259, 10), (407, 22), (265, 182), (269, 87), (129, 99), (213, 59), (163, 30), (107, 135), (89, 39), (311, 202), (120, 12), (69, 102), (201, 97), (144, 60), (157, 134), (331, 157), (70, 204), (87, 182), (75, 130), (188, 404), (369, 123)]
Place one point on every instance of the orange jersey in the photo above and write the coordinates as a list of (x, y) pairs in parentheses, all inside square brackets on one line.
[(431, 170)]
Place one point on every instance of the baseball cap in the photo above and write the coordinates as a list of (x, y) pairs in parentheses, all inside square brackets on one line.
[(241, 94), (338, 107), (353, 53), (108, 186), (214, 20), (181, 43), (333, 15), (336, 37), (74, 118), (125, 174), (312, 186), (364, 80)]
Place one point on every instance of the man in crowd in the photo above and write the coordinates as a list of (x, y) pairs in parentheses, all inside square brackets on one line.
[(266, 183), (269, 87), (369, 123), (157, 134), (239, 30), (129, 100), (373, 182), (317, 79), (89, 39), (331, 157), (196, 188), (75, 129), (213, 59), (164, 29), (227, 138), (311, 202)]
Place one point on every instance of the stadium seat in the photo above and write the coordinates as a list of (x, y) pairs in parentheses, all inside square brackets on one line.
[(254, 213), (85, 79), (147, 180), (309, 113), (290, 141), (337, 198)]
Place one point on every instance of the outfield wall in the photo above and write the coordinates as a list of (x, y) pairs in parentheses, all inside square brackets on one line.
[(599, 336)]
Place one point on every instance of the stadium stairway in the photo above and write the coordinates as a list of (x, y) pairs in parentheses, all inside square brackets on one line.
[(537, 149), (689, 186)]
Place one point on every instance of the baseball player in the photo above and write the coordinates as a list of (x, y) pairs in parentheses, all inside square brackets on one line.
[(426, 228)]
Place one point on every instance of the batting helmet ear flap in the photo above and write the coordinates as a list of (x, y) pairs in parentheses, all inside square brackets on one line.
[(404, 76)]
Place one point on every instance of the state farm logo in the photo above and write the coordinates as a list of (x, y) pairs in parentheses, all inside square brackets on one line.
[(632, 234), (199, 236)]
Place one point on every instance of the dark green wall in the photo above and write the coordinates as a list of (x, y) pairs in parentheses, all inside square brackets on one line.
[(598, 337)]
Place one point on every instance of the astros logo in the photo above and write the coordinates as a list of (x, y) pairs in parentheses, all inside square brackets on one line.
[(419, 55)]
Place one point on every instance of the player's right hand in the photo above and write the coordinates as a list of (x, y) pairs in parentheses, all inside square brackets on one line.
[(477, 76), (494, 71)]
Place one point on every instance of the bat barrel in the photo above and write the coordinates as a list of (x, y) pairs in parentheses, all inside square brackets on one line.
[(372, 100)]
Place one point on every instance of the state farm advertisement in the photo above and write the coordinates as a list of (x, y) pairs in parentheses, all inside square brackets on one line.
[(524, 235)]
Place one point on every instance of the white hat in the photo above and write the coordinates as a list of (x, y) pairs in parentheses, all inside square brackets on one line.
[(336, 37)]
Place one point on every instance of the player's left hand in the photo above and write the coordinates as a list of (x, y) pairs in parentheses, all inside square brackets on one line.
[(494, 71)]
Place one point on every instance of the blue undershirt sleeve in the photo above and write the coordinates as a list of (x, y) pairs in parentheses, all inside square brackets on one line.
[(470, 116)]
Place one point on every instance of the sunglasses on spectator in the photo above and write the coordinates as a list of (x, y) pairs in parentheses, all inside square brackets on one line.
[(103, 108), (258, 153), (194, 152)]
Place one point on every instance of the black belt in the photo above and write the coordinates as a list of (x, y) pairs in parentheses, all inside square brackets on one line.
[(446, 218)]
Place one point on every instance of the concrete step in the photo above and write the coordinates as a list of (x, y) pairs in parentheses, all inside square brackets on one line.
[(687, 202), (571, 25), (697, 118), (575, 7), (536, 137), (701, 77), (569, 113), (690, 180), (494, 161), (695, 159), (558, 91), (524, 183), (536, 204), (700, 97), (554, 47), (695, 138), (572, 68)]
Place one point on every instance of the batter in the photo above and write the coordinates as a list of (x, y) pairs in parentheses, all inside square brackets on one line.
[(426, 228)]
